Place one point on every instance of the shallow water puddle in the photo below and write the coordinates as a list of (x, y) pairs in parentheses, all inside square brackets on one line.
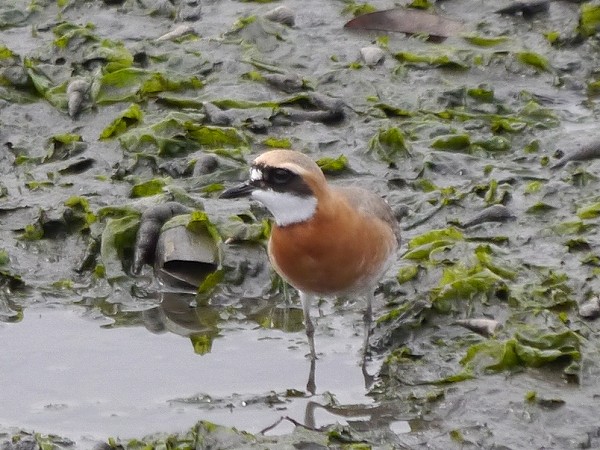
[(69, 375)]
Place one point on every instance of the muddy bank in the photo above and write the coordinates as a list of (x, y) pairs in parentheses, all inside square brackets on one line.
[(475, 141)]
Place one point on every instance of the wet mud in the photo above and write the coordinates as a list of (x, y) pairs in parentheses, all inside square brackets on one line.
[(484, 144)]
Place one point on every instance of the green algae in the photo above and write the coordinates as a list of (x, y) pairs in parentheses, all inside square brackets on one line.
[(118, 238), (453, 142), (420, 247), (589, 19), (357, 9), (277, 143), (407, 273), (534, 60), (491, 136), (530, 348), (485, 41), (135, 84), (333, 165), (389, 144), (130, 117), (436, 59), (179, 133), (148, 188)]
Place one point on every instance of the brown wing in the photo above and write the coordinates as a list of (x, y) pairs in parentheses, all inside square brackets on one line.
[(370, 204)]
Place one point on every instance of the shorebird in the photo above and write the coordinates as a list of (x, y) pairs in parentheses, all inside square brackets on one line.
[(327, 241)]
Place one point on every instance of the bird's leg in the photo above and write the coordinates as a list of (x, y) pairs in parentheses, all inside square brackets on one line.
[(311, 385), (368, 320), (306, 300)]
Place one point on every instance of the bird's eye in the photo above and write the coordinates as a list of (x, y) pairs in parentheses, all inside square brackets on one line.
[(280, 176)]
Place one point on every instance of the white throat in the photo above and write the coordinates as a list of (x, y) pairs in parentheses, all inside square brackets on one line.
[(287, 208)]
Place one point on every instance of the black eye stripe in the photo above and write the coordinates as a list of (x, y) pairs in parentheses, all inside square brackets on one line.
[(279, 176), (282, 180)]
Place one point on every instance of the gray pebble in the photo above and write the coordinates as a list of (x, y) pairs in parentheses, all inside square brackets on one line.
[(206, 164), (281, 14), (372, 55), (590, 309)]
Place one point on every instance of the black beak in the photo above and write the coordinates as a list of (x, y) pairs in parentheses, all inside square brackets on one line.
[(242, 190)]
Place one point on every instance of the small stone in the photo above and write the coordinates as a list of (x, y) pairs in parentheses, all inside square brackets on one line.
[(205, 164), (281, 14), (15, 75), (372, 55), (162, 8), (76, 95), (590, 309), (102, 446), (177, 32), (484, 327), (494, 213), (190, 11), (217, 116), (289, 82)]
